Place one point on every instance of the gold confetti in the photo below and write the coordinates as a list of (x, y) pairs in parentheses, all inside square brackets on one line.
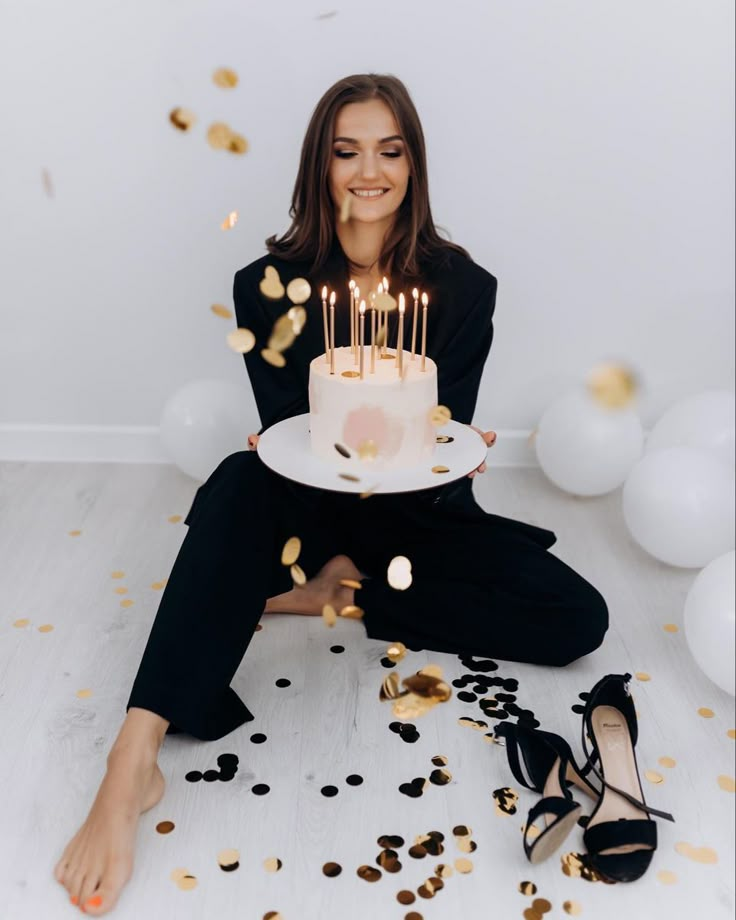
[(228, 860), (230, 221), (186, 882), (527, 888), (165, 827), (291, 551), (431, 670), (174, 519), (351, 612), (345, 207), (272, 864), (351, 583), (297, 574), (667, 762), (182, 118), (117, 574), (705, 712), (463, 865), (298, 290), (298, 319), (84, 694), (241, 340), (47, 627), (671, 627), (396, 651), (271, 286), (121, 590), (390, 688), (612, 386), (541, 905), (439, 760), (505, 799), (444, 871), (158, 585), (666, 877), (697, 854), (272, 915), (369, 874), (219, 310), (127, 602), (384, 303), (440, 469), (653, 776), (732, 734), (411, 706), (572, 908), (21, 623), (726, 783), (329, 615), (367, 450), (274, 358), (428, 686), (282, 334), (399, 573), (225, 78), (440, 416), (406, 897), (351, 375), (74, 533), (221, 137), (349, 477), (381, 338), (642, 675)]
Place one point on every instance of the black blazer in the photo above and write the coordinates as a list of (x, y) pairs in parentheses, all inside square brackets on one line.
[(462, 299)]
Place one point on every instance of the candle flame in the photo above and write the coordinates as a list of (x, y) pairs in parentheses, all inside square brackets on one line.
[(380, 288), (357, 292), (425, 300), (324, 293), (362, 307), (352, 284), (333, 298), (415, 294), (385, 285), (402, 303)]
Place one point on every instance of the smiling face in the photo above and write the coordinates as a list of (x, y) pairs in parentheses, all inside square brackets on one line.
[(369, 161)]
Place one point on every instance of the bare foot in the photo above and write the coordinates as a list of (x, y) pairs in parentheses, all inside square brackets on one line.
[(324, 588), (98, 861)]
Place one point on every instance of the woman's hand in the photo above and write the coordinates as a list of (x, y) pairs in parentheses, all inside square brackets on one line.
[(490, 438), (253, 440)]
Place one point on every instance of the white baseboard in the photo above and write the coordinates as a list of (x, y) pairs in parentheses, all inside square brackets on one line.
[(141, 444)]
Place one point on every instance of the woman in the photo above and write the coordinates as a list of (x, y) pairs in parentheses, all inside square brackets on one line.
[(482, 584)]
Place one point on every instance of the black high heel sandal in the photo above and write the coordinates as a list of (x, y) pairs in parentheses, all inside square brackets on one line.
[(620, 842), (552, 769)]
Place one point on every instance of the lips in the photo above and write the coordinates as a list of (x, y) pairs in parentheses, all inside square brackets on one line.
[(368, 193)]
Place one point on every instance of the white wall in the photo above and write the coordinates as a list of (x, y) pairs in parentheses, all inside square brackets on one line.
[(583, 153)]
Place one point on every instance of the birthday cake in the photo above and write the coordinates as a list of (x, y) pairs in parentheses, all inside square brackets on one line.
[(383, 419)]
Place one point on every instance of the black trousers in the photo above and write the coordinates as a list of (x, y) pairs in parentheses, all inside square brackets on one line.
[(481, 586)]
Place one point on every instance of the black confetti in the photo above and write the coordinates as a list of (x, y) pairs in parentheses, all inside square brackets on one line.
[(329, 791), (354, 779), (194, 776), (387, 663), (258, 738), (260, 789), (283, 682), (337, 649)]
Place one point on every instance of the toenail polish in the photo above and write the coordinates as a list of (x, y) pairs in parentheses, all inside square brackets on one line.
[(94, 902), (74, 899)]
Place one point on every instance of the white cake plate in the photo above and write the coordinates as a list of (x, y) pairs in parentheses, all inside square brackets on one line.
[(285, 448)]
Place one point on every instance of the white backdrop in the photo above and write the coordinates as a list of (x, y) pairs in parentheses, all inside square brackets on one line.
[(583, 153)]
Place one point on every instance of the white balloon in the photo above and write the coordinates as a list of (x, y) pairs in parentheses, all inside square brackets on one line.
[(706, 420), (585, 448), (678, 505), (710, 621), (204, 422)]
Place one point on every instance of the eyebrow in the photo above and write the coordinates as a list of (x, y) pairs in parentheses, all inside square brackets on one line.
[(384, 140)]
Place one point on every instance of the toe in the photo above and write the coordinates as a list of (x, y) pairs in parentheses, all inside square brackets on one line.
[(89, 886), (104, 898)]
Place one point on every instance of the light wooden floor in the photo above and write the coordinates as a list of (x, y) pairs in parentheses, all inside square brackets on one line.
[(327, 725)]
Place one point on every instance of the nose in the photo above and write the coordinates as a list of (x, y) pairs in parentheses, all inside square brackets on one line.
[(369, 166)]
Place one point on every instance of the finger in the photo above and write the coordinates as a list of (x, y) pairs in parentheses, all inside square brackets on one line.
[(482, 468)]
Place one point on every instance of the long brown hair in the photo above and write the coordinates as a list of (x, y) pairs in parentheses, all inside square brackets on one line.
[(413, 240)]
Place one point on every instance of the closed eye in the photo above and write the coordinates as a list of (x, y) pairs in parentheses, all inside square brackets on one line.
[(347, 154)]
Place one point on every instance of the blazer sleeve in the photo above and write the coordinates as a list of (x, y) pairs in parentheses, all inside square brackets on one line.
[(461, 359), (280, 392)]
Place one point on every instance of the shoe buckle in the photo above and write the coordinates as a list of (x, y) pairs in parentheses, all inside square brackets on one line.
[(627, 684), (499, 739)]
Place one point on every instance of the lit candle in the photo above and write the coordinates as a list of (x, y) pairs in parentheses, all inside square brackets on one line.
[(425, 301), (362, 335), (400, 346), (373, 340), (351, 285), (355, 320), (385, 285), (324, 320), (332, 332), (381, 317), (415, 295)]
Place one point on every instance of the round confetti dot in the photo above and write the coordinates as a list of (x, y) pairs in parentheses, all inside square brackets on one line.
[(74, 533), (21, 623), (84, 694), (329, 791), (283, 682), (258, 738), (653, 776), (194, 776), (466, 696), (272, 864), (211, 776), (726, 783), (666, 877), (228, 860), (260, 789), (259, 627), (165, 827), (705, 712), (527, 888), (413, 915), (117, 574), (187, 883), (671, 627), (464, 865), (47, 627), (337, 649), (121, 590), (732, 734), (354, 779), (668, 762), (387, 663), (541, 905), (572, 908), (158, 585), (642, 675), (406, 897), (127, 602), (331, 869), (368, 873), (272, 915), (174, 519)]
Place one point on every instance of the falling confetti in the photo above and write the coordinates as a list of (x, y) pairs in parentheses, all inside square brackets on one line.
[(726, 783), (220, 310), (182, 118), (241, 340), (174, 519), (84, 694), (21, 623), (225, 78), (270, 286), (165, 827), (612, 386), (230, 221), (671, 627), (697, 854), (668, 762), (272, 864), (705, 712), (74, 533), (47, 627), (440, 416), (298, 290)]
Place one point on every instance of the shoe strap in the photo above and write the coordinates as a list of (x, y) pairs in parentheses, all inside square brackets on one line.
[(506, 730), (610, 834), (552, 804), (592, 757)]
